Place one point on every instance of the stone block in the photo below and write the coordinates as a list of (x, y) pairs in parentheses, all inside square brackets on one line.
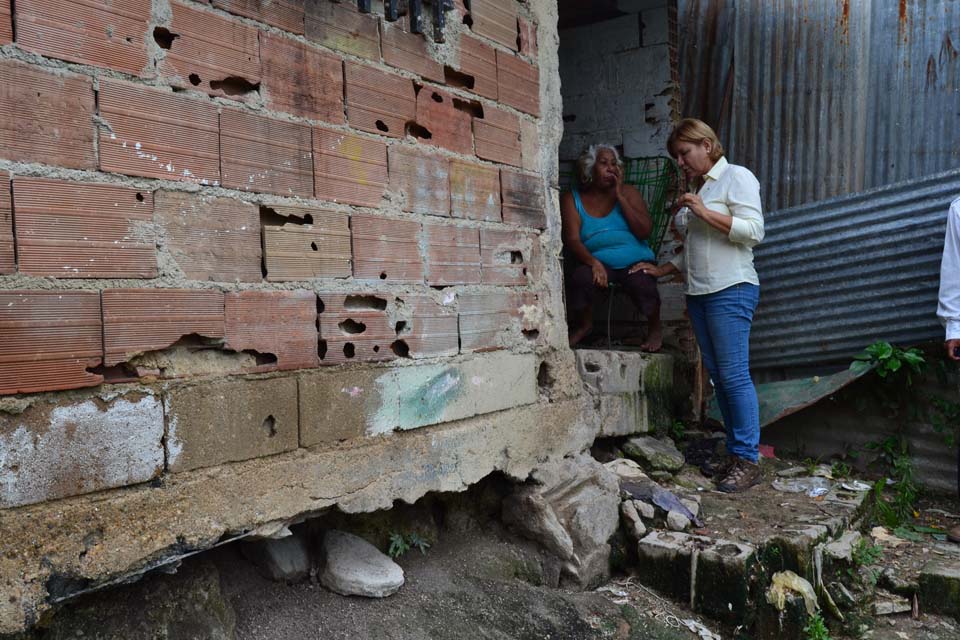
[(354, 567), (343, 405), (607, 371), (654, 454), (281, 560), (623, 414), (58, 449), (225, 421), (940, 587), (657, 388)]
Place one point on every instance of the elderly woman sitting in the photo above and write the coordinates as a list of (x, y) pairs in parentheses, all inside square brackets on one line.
[(605, 226)]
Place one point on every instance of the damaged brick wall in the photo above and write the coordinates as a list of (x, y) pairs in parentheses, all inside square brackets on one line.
[(224, 204)]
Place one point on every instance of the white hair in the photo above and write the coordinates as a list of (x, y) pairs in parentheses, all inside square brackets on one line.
[(588, 159)]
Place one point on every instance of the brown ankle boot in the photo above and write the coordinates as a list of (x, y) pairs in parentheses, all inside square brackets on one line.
[(718, 467), (741, 476)]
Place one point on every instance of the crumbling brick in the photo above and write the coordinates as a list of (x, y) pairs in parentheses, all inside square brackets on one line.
[(348, 168), (301, 80), (341, 27), (212, 423), (446, 125), (304, 250), (265, 155), (158, 134), (523, 199), (453, 255), (378, 101), (497, 136), (530, 312), (7, 259), (530, 145), (355, 328), (6, 24), (432, 330), (139, 320), (497, 20), (505, 256), (283, 14), (423, 178), (46, 117), (386, 249), (474, 191), (210, 52), (48, 340), (528, 37), (478, 61), (281, 323), (408, 51), (83, 230), (485, 319), (210, 238), (519, 83), (103, 34)]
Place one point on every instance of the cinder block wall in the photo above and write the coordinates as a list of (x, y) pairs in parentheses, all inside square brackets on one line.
[(253, 230)]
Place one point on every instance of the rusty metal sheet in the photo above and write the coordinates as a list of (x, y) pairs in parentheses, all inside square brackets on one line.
[(518, 83), (316, 247), (423, 178), (341, 27), (283, 14), (484, 319), (432, 330), (523, 199), (83, 230), (505, 256), (139, 320), (453, 255), (282, 323), (497, 20), (348, 168), (7, 256), (158, 134), (378, 101), (265, 155), (474, 191), (386, 249), (355, 328), (448, 125), (497, 136), (301, 79), (478, 60), (409, 51), (48, 340), (102, 34)]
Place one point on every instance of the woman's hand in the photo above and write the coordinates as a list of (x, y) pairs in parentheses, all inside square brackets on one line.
[(693, 202), (618, 176), (648, 268), (599, 274)]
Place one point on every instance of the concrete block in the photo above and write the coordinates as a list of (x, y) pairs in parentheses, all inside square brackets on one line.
[(656, 26), (623, 414), (940, 587), (657, 388), (225, 421), (341, 405), (609, 371), (53, 450), (281, 560)]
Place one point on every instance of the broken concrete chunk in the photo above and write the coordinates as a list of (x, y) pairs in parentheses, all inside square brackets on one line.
[(940, 587), (841, 550), (354, 567), (657, 455), (625, 469), (891, 605), (677, 521), (631, 518), (281, 560), (646, 510), (692, 505)]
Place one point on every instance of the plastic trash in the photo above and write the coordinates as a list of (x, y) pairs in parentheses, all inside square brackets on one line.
[(855, 485), (663, 498), (803, 485), (785, 581)]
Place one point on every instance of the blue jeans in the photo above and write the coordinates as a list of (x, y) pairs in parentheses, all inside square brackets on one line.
[(721, 322)]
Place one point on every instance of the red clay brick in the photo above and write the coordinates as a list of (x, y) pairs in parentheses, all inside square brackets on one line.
[(282, 323), (210, 238), (474, 191), (340, 26), (424, 180), (528, 37), (6, 24), (209, 50), (301, 80), (348, 168), (305, 250), (139, 320), (103, 34), (379, 102), (523, 199), (354, 328), (7, 261), (448, 125), (453, 255), (408, 51), (496, 19), (519, 83), (46, 117), (505, 256), (48, 339), (485, 318), (497, 136), (158, 134), (385, 249), (283, 14), (81, 230), (530, 145), (265, 155), (432, 330), (479, 60)]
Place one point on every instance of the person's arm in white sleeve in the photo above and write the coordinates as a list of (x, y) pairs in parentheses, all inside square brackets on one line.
[(743, 200), (948, 309)]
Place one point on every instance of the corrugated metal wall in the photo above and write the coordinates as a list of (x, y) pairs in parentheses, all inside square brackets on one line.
[(821, 97)]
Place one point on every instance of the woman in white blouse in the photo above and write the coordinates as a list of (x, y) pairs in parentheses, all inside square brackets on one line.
[(724, 221)]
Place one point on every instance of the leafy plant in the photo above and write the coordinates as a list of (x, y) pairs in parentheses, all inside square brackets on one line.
[(816, 628), (398, 545), (895, 454), (418, 543), (811, 464), (865, 554), (888, 359), (677, 430), (840, 469)]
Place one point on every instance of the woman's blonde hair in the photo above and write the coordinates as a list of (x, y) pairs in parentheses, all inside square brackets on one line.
[(695, 132), (588, 159)]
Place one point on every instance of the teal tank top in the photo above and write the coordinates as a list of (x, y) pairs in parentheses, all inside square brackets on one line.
[(609, 239)]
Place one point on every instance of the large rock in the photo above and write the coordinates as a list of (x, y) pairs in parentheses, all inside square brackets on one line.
[(573, 511), (354, 567), (281, 560), (657, 455)]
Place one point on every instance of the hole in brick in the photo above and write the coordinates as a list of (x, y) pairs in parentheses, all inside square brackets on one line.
[(516, 257), (349, 350), (531, 334), (262, 358), (128, 39), (313, 245), (364, 302), (472, 107), (436, 97), (460, 79), (269, 216), (194, 79), (139, 197), (418, 131), (376, 348), (117, 373), (164, 37), (400, 348), (545, 379), (468, 20), (382, 126), (320, 306), (322, 349), (234, 86), (352, 327), (523, 271), (383, 275), (400, 327), (592, 367), (270, 426), (623, 370), (570, 117), (648, 106)]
